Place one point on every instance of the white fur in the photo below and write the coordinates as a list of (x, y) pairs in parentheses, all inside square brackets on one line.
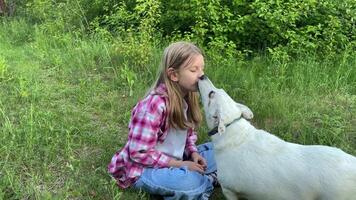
[(257, 165)]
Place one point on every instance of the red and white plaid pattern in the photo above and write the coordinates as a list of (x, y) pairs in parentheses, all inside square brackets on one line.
[(148, 125)]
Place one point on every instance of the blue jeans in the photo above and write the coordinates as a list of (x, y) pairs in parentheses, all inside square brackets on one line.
[(180, 183)]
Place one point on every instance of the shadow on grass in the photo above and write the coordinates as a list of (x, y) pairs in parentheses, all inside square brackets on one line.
[(131, 194)]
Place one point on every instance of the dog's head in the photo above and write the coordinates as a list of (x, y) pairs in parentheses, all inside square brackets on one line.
[(220, 109)]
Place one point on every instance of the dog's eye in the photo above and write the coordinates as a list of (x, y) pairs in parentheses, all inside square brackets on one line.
[(211, 94), (215, 117)]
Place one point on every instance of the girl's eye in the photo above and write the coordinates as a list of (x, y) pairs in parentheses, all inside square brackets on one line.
[(193, 70)]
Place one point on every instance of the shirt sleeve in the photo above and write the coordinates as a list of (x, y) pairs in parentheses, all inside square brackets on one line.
[(143, 133), (190, 146)]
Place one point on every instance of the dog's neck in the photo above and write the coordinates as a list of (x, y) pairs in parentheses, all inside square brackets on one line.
[(234, 135), (215, 129)]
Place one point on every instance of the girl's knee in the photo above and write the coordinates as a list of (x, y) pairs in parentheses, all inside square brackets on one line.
[(175, 183), (186, 180), (177, 179), (205, 147)]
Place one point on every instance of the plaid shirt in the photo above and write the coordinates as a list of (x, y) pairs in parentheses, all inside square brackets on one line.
[(148, 125)]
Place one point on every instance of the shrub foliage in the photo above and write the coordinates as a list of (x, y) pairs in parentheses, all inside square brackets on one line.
[(244, 25), (324, 26)]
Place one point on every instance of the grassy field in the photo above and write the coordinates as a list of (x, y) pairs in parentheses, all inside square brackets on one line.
[(65, 102)]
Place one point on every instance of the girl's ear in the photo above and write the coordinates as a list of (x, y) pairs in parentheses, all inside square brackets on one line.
[(172, 74)]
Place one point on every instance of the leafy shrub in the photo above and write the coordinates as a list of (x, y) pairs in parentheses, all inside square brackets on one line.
[(247, 26)]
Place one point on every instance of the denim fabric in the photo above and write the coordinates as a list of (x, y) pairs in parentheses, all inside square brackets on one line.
[(180, 183)]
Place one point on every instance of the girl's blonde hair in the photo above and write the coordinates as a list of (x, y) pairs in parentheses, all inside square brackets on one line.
[(176, 56)]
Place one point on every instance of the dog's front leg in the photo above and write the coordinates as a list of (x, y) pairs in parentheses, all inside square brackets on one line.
[(229, 195)]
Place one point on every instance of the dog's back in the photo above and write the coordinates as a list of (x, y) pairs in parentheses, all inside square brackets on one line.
[(336, 171), (257, 165), (262, 166)]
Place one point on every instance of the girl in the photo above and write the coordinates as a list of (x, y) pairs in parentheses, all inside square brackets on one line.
[(160, 155)]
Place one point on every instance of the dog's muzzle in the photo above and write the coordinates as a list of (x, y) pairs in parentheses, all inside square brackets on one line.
[(203, 77)]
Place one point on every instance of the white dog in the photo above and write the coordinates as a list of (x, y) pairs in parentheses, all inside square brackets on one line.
[(255, 165)]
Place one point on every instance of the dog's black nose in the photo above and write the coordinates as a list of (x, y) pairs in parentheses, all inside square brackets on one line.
[(202, 77)]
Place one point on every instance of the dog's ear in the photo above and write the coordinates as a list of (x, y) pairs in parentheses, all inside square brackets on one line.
[(221, 123), (221, 127), (246, 111)]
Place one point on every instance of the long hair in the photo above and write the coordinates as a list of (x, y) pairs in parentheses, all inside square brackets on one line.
[(176, 56)]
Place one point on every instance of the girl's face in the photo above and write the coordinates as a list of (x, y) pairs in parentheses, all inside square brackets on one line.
[(188, 76)]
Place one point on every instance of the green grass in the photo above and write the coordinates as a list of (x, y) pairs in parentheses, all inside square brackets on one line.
[(65, 103)]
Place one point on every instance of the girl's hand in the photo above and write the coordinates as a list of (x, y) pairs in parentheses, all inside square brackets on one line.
[(198, 163), (197, 158), (193, 166), (190, 164)]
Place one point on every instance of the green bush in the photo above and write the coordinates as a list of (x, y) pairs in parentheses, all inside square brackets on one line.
[(294, 27)]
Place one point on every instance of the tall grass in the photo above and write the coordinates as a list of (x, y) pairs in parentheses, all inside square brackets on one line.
[(304, 100), (65, 103)]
